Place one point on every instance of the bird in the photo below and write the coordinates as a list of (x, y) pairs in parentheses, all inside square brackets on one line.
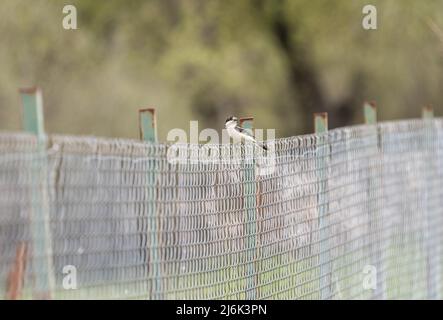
[(238, 133)]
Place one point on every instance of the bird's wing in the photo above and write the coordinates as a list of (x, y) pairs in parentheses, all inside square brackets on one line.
[(245, 131)]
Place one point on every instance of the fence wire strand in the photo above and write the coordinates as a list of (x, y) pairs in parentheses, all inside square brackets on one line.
[(354, 213)]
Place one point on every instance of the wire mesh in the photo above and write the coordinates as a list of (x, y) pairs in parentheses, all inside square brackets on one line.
[(354, 213)]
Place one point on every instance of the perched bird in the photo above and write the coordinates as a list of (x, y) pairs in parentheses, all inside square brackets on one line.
[(239, 133)]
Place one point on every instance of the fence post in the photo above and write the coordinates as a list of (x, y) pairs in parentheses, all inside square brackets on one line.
[(17, 273), (370, 112), (370, 116), (148, 125), (321, 122), (148, 133), (250, 205), (42, 264), (427, 113), (432, 249), (323, 154)]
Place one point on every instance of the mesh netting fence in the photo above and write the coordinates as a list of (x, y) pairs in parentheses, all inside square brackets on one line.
[(355, 212)]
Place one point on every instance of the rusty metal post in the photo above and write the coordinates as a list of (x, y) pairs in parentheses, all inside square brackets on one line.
[(17, 273)]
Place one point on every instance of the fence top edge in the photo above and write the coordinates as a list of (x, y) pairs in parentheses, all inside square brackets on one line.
[(104, 144)]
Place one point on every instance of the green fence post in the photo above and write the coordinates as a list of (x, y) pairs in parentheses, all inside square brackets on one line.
[(250, 206), (148, 133), (42, 264), (148, 125), (321, 122), (432, 250), (427, 113), (370, 112), (32, 104), (370, 116), (323, 153)]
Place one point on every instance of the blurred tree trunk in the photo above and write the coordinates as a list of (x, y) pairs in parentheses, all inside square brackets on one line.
[(303, 75)]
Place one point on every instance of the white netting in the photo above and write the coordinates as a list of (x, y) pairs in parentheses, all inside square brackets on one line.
[(353, 213)]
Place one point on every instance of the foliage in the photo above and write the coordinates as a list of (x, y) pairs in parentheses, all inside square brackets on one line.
[(204, 59)]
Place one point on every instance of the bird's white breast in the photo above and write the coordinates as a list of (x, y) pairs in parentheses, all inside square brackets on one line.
[(238, 136)]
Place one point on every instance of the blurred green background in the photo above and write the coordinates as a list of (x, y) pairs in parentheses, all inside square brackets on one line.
[(204, 60)]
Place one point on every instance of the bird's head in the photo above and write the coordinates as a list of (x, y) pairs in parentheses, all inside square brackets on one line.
[(231, 122)]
